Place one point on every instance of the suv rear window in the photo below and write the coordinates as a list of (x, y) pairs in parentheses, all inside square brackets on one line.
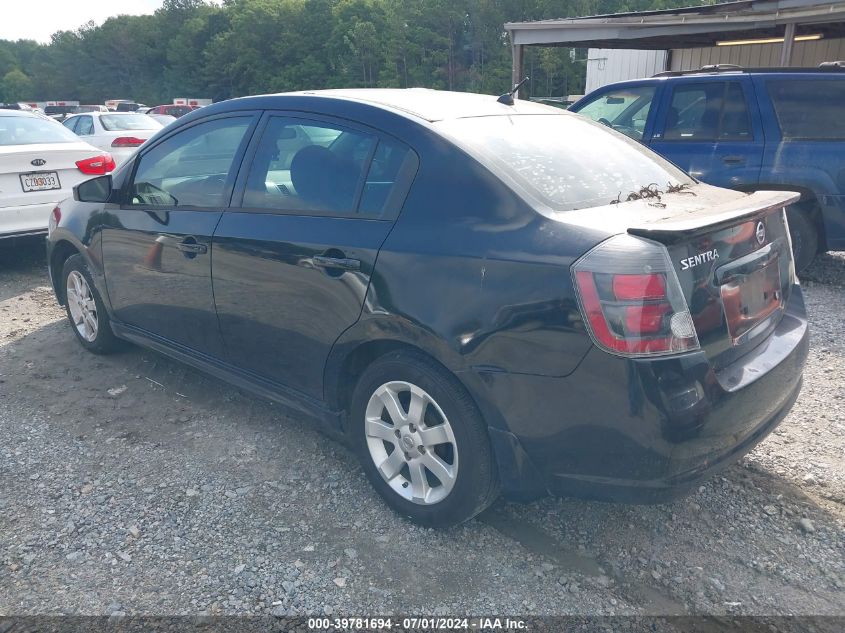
[(809, 109), (563, 161)]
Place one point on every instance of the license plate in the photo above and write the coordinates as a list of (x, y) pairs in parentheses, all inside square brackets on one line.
[(751, 299), (40, 181)]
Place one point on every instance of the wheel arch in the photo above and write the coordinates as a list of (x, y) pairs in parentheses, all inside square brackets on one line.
[(365, 342), (350, 359), (61, 251)]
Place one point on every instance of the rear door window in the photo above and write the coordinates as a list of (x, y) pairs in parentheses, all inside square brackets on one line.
[(708, 111), (809, 109), (309, 166), (624, 109)]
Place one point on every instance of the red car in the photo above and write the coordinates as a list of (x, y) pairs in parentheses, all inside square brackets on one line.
[(172, 110)]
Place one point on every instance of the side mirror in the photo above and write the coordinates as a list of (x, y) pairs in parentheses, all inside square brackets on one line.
[(97, 189)]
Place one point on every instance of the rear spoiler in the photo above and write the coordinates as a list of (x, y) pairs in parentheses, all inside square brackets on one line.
[(706, 220)]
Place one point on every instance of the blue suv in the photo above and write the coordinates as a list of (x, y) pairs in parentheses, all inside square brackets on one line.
[(747, 130)]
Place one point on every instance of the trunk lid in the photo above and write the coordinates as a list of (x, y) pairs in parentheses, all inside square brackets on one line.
[(731, 253), (59, 161)]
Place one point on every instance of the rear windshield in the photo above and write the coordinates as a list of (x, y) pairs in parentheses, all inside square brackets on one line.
[(113, 122), (563, 161), (30, 130), (809, 109)]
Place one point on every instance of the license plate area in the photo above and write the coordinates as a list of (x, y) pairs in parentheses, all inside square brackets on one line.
[(40, 181), (751, 299)]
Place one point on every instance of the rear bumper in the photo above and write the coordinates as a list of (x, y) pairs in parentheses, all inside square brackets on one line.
[(643, 430), (30, 219)]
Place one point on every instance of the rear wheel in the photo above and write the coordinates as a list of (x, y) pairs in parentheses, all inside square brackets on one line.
[(422, 441), (85, 309), (804, 234)]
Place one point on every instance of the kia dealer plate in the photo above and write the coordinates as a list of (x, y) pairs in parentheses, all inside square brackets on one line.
[(40, 181)]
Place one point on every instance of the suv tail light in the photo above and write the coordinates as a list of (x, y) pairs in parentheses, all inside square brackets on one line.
[(631, 299), (96, 165), (128, 141)]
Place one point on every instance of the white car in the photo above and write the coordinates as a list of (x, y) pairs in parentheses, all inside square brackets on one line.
[(40, 163), (119, 133)]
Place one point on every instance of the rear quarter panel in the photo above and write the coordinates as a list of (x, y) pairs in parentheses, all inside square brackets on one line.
[(476, 277)]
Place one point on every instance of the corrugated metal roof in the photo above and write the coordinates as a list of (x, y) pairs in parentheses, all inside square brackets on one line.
[(685, 27)]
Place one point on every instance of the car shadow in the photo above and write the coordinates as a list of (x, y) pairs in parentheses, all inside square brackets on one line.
[(739, 526), (827, 268), (22, 254)]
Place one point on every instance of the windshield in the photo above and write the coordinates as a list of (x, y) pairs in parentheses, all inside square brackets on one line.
[(31, 130), (114, 122), (624, 109), (563, 161)]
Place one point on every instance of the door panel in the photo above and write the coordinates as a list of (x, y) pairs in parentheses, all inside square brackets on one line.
[(711, 129), (280, 307), (157, 246), (293, 263), (156, 286)]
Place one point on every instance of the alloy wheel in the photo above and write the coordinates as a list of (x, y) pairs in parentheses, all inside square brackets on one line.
[(411, 442), (82, 307)]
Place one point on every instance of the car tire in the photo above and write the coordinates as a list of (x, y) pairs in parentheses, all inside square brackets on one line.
[(85, 309), (804, 235), (433, 448)]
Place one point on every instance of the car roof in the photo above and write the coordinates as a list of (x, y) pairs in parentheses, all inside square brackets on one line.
[(429, 105)]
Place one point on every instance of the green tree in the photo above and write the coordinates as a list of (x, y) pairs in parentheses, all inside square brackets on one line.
[(239, 47), (16, 86)]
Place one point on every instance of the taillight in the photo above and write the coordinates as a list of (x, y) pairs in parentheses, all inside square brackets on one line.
[(55, 217), (631, 299), (127, 141), (96, 165)]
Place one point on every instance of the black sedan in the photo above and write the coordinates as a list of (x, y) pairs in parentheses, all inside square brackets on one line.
[(479, 297)]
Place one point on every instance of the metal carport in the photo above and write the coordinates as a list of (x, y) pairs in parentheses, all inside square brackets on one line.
[(689, 27)]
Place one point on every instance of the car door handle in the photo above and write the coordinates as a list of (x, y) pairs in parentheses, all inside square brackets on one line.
[(342, 263), (192, 247), (733, 160)]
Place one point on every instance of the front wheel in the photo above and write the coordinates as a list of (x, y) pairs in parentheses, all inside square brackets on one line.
[(85, 309), (422, 441)]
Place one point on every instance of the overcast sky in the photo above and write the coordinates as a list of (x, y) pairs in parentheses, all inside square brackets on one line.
[(39, 19)]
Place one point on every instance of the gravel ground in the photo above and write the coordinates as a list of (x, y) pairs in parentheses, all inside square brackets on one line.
[(133, 484)]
